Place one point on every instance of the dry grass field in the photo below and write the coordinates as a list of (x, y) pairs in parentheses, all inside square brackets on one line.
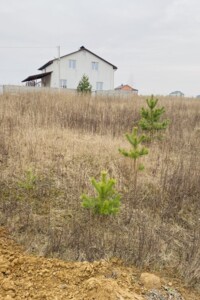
[(51, 144)]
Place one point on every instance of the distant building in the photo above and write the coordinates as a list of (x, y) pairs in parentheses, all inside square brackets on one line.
[(177, 94), (67, 71), (126, 88), (198, 96)]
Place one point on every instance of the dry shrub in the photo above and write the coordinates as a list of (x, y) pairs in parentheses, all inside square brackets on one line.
[(64, 140)]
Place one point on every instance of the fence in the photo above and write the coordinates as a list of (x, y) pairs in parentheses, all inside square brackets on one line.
[(18, 89), (118, 93)]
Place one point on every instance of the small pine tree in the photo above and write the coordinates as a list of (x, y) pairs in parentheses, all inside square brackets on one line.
[(107, 200), (136, 152), (150, 117), (84, 85)]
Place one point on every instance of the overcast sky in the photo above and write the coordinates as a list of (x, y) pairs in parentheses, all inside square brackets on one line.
[(154, 43)]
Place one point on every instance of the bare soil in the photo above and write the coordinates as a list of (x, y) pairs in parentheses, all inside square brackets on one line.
[(24, 276)]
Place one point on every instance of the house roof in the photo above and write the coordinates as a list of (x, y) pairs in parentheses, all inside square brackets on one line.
[(46, 65), (37, 76), (122, 86), (82, 48), (176, 92)]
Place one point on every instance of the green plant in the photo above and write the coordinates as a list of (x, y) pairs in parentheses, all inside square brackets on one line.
[(107, 200), (136, 152), (150, 117), (84, 85), (29, 181)]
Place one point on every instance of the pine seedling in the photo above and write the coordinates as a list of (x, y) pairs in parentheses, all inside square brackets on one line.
[(150, 117), (107, 200), (136, 152), (84, 85)]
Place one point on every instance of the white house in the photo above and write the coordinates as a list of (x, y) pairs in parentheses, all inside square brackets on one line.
[(67, 71)]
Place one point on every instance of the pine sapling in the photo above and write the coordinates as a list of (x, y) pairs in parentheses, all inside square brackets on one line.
[(150, 118), (107, 200), (136, 152), (84, 85)]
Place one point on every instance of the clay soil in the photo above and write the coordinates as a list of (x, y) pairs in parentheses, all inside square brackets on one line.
[(24, 276)]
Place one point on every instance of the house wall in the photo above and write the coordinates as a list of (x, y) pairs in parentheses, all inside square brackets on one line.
[(46, 81), (84, 59), (178, 94)]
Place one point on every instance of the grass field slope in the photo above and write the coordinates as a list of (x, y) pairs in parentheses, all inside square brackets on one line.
[(52, 144)]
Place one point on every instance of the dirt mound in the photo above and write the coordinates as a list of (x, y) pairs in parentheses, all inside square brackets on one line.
[(102, 289), (23, 276)]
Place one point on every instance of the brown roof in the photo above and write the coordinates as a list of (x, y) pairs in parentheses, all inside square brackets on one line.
[(125, 87), (82, 48), (37, 76), (46, 65)]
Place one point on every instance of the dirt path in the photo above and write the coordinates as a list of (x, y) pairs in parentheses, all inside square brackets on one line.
[(23, 276)]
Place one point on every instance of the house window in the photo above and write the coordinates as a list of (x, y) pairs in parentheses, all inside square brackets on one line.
[(95, 65), (72, 64), (63, 83), (99, 86)]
